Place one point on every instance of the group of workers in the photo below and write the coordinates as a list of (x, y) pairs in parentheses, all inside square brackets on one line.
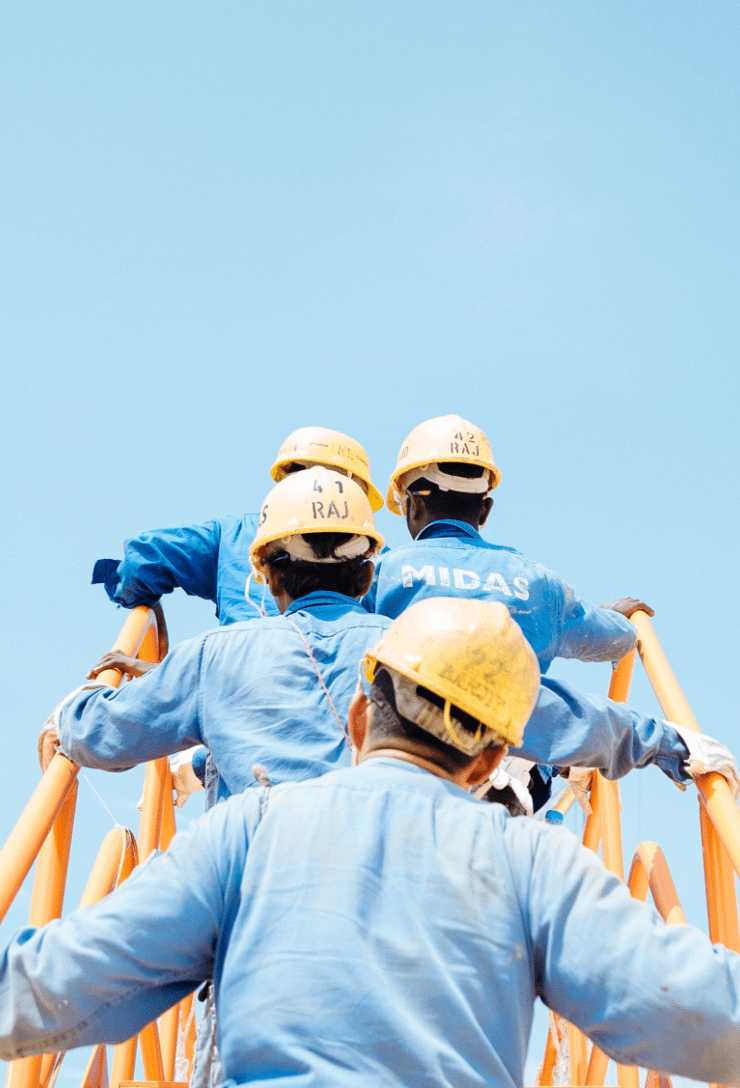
[(364, 915)]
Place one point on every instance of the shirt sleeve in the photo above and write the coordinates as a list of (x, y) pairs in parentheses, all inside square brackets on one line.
[(103, 973), (160, 561), (647, 994), (568, 728), (152, 716), (589, 633)]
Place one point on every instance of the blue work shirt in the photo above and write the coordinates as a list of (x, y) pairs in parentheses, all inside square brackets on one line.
[(209, 561), (248, 691), (451, 559), (377, 926)]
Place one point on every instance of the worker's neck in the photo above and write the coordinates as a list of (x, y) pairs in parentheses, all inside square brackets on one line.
[(432, 519), (407, 757)]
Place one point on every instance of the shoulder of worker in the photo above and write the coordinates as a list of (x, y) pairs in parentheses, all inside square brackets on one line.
[(324, 612), (450, 533), (228, 526)]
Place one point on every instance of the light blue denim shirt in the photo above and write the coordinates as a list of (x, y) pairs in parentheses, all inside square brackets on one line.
[(248, 691), (377, 926)]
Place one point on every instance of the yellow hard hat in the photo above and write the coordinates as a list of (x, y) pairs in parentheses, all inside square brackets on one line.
[(472, 655), (320, 446), (315, 501), (444, 438)]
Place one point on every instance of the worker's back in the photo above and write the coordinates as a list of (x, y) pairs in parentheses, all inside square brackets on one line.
[(391, 929)]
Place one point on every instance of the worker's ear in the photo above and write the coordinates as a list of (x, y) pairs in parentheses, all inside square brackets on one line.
[(368, 570), (358, 718), (274, 580), (413, 510), (485, 509), (485, 765)]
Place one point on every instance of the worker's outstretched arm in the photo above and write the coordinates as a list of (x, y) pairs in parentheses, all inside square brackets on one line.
[(103, 973), (590, 633), (647, 994), (160, 561), (568, 729), (115, 728)]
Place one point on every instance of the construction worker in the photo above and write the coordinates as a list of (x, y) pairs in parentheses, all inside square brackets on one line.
[(274, 691), (212, 560), (441, 484), (378, 924)]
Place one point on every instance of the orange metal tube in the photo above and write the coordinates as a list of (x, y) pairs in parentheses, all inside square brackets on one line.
[(714, 791), (621, 679), (168, 1029), (168, 828), (605, 822), (27, 837), (104, 875), (135, 639), (578, 1052), (51, 868), (151, 1055), (187, 1024), (649, 870), (720, 886), (124, 1062), (155, 780), (564, 802), (597, 1067)]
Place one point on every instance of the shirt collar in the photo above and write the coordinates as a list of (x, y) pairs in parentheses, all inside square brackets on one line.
[(448, 527), (321, 599)]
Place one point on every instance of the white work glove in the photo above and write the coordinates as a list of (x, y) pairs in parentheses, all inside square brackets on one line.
[(500, 779), (580, 780), (707, 755), (49, 735), (184, 779)]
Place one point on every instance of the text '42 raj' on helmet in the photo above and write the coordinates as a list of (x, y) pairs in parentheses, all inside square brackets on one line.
[(443, 439)]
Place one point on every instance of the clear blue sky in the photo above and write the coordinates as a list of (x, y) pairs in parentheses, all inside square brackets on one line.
[(224, 221)]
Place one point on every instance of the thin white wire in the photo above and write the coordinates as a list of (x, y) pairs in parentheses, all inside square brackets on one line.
[(115, 821)]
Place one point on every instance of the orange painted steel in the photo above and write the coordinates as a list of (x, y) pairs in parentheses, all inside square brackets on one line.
[(116, 860), (46, 903), (44, 830), (604, 824), (720, 886), (155, 782), (27, 837), (649, 871), (151, 1054), (124, 1062), (715, 793), (96, 1074), (53, 860)]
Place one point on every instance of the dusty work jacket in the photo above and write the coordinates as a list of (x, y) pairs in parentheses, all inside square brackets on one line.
[(377, 926), (451, 559), (249, 692), (209, 561)]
